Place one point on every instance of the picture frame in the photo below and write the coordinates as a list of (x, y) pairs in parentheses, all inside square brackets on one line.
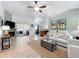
[(58, 24)]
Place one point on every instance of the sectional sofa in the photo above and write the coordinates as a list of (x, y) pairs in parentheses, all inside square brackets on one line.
[(61, 37)]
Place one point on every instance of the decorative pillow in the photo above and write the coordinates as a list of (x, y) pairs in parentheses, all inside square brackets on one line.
[(52, 33), (64, 36)]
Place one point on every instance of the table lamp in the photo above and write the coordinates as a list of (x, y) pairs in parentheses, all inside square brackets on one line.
[(5, 29)]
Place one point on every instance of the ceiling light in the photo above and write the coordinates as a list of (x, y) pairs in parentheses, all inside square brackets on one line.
[(36, 8)]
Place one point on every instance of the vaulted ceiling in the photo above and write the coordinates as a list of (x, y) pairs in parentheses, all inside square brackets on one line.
[(53, 8)]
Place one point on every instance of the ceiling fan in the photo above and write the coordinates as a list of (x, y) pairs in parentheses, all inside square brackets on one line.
[(37, 6)]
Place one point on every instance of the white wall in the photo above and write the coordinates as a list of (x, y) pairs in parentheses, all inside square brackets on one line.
[(44, 24), (1, 10), (22, 20), (7, 16), (43, 21), (32, 33), (18, 19)]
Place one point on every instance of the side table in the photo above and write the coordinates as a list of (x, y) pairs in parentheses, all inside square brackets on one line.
[(5, 42)]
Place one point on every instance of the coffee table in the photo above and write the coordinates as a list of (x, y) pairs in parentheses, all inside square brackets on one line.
[(49, 44)]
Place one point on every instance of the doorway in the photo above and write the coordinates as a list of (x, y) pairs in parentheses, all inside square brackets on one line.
[(36, 32)]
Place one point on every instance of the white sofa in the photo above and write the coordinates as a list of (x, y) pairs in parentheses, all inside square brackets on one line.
[(61, 37)]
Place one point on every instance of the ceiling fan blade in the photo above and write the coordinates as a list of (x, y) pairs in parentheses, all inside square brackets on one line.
[(30, 7), (40, 11), (36, 2), (42, 7)]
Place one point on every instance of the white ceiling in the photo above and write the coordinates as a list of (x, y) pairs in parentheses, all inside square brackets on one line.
[(53, 8), (17, 8), (57, 7)]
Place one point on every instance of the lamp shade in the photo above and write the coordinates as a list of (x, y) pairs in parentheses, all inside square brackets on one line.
[(5, 27)]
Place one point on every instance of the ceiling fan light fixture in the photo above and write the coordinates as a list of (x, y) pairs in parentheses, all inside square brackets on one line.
[(36, 8)]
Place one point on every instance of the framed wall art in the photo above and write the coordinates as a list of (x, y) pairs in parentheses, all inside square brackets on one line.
[(58, 24)]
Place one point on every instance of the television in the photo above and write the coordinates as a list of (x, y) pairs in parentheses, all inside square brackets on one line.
[(20, 32), (9, 23)]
